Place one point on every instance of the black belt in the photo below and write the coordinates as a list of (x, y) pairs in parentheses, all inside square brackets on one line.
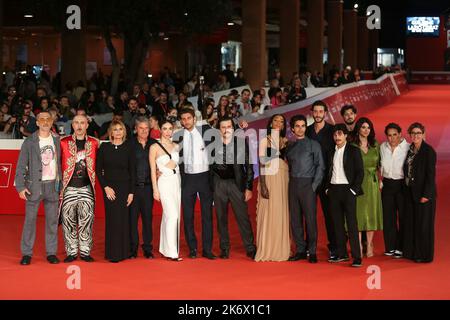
[(142, 184)]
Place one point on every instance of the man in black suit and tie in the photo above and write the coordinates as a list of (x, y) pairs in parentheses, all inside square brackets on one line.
[(195, 179), (233, 183), (346, 174)]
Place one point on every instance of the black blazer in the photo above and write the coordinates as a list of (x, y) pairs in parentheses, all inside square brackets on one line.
[(353, 168), (423, 179), (244, 173)]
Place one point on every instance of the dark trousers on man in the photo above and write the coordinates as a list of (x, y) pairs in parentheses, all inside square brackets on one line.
[(343, 212), (226, 191), (393, 200), (142, 205), (194, 184), (325, 203), (302, 206)]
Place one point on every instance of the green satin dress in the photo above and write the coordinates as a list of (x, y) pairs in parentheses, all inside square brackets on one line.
[(369, 210)]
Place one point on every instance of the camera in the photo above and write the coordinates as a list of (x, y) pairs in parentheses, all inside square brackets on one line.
[(172, 119), (202, 80)]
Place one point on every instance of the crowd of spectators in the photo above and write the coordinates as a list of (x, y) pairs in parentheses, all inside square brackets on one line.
[(23, 96)]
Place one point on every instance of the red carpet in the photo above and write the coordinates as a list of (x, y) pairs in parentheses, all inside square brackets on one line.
[(239, 277)]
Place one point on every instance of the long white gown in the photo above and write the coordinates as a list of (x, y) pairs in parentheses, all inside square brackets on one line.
[(169, 185)]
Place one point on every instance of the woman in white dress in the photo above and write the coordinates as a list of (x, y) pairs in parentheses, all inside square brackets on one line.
[(167, 189)]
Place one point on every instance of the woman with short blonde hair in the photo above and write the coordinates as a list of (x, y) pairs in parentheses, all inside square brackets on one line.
[(116, 172), (113, 124)]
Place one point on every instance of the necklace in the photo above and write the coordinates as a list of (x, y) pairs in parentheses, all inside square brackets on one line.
[(116, 145)]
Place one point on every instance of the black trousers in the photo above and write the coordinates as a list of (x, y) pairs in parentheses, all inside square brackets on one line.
[(226, 191), (325, 203), (142, 205), (343, 211), (419, 219), (194, 184), (302, 207), (393, 200)]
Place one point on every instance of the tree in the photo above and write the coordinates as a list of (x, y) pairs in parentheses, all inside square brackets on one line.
[(137, 22)]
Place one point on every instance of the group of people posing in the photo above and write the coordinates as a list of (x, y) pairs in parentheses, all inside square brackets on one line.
[(363, 187)]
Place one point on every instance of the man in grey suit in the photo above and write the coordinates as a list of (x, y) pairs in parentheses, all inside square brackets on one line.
[(306, 171), (38, 178)]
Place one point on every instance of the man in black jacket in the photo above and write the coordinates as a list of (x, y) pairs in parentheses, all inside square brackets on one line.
[(233, 182), (346, 174)]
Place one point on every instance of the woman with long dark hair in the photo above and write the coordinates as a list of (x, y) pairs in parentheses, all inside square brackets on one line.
[(420, 206), (369, 211), (223, 107), (272, 215), (164, 156)]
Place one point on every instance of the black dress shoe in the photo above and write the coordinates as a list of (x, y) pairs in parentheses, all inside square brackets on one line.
[(70, 259), (209, 255), (337, 259), (312, 258), (251, 254), (26, 260), (133, 255), (53, 259), (224, 254), (148, 255), (422, 261), (87, 258), (298, 256), (357, 263), (193, 254)]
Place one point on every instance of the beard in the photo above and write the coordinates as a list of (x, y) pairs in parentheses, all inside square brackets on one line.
[(349, 122), (318, 119)]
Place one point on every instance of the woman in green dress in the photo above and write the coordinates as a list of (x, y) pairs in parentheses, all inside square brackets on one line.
[(369, 210)]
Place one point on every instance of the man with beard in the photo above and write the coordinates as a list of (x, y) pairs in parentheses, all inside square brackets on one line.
[(322, 132), (78, 157), (348, 113), (129, 116)]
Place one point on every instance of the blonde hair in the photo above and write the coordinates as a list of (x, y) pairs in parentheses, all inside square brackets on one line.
[(117, 123)]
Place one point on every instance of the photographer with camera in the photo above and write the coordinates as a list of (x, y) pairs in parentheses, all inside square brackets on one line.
[(23, 123)]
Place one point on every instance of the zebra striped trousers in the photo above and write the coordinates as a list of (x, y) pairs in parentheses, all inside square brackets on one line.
[(77, 212)]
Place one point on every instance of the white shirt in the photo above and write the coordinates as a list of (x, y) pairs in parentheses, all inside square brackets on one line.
[(48, 158), (242, 109), (199, 162), (392, 162), (339, 176)]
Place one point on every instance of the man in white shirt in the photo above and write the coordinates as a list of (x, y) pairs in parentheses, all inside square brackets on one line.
[(196, 179), (346, 173), (393, 154), (244, 104)]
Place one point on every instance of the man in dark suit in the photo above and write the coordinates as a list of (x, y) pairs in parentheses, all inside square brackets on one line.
[(233, 182), (143, 203), (322, 132), (195, 179), (345, 176)]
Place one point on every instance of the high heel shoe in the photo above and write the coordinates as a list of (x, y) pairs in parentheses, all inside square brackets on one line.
[(370, 250), (175, 259)]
